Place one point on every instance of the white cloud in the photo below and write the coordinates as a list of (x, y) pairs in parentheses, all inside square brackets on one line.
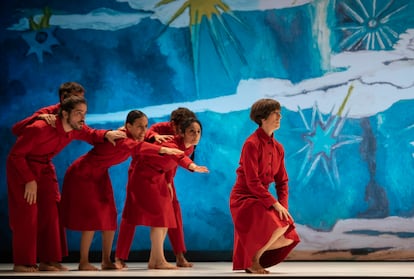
[(99, 19), (380, 79), (164, 12), (111, 20), (352, 234)]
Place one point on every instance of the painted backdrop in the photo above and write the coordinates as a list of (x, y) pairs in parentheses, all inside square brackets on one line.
[(342, 70)]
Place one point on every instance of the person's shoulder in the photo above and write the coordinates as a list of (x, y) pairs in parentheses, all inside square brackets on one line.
[(160, 124), (36, 128), (38, 124), (253, 137), (52, 109)]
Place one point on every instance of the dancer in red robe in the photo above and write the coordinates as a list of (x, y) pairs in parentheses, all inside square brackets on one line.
[(164, 131), (33, 192), (88, 203), (149, 200), (49, 113), (264, 231)]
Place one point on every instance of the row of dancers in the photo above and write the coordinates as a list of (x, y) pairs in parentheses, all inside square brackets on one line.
[(39, 214)]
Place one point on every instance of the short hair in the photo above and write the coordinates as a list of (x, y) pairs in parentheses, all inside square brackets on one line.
[(66, 89), (262, 108), (180, 114), (134, 115), (69, 103)]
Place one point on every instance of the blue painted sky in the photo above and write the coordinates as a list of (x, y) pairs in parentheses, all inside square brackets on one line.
[(341, 143)]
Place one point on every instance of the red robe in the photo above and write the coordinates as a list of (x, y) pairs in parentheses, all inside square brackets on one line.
[(36, 229), (176, 235), (19, 126), (254, 218), (148, 200), (88, 202)]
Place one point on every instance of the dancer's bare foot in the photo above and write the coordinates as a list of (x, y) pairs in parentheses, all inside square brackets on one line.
[(120, 264), (257, 271), (25, 268), (108, 266), (161, 265), (182, 261), (52, 266), (256, 268), (87, 267)]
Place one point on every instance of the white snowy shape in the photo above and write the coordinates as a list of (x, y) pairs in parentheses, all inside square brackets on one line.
[(386, 235), (380, 79)]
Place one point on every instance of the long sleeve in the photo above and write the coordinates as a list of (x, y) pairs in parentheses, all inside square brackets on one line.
[(281, 179), (23, 146), (254, 174), (89, 135), (161, 128), (19, 126)]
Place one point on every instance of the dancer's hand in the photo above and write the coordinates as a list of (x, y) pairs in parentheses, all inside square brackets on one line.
[(30, 192), (283, 212)]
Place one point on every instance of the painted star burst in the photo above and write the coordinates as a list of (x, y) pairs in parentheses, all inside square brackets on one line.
[(209, 12), (323, 138), (40, 38), (40, 42), (372, 25)]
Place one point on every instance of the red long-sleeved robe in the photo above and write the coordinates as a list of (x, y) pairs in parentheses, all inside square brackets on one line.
[(36, 229), (19, 126), (88, 202), (254, 218), (176, 235), (148, 200)]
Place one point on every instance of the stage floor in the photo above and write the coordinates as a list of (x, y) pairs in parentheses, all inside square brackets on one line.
[(287, 269)]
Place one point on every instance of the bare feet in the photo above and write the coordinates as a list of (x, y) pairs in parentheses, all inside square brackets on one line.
[(109, 266), (161, 265), (182, 261), (120, 264), (257, 271), (25, 268), (87, 267), (52, 266), (256, 268)]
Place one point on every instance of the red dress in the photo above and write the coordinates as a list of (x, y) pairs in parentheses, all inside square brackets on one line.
[(36, 230), (148, 200), (88, 202), (19, 126), (176, 235), (254, 218)]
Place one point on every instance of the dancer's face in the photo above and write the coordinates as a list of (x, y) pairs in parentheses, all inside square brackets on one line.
[(138, 128)]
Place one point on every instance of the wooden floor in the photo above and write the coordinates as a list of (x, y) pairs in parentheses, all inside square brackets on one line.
[(287, 269)]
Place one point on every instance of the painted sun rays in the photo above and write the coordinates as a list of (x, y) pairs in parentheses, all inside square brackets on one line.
[(209, 12), (323, 138), (372, 25)]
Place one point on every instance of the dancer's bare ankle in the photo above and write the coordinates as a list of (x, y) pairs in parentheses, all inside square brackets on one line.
[(120, 264), (182, 261), (161, 264), (25, 268), (87, 267)]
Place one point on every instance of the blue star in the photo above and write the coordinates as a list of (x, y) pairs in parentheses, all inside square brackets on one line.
[(40, 41), (323, 139)]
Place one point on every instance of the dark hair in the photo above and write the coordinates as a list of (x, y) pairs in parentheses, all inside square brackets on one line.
[(262, 108), (70, 103), (187, 122), (66, 89), (184, 125), (180, 114), (133, 115)]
